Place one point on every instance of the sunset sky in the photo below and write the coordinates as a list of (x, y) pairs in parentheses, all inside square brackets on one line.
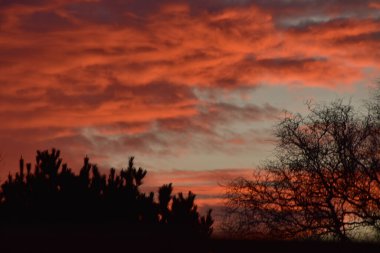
[(192, 89)]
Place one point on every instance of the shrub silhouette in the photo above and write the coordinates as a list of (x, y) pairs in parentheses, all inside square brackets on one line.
[(54, 194)]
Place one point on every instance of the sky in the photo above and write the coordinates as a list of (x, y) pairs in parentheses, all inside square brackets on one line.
[(192, 89)]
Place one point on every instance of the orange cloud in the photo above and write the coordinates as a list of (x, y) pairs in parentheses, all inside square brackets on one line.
[(374, 5), (112, 75), (207, 185)]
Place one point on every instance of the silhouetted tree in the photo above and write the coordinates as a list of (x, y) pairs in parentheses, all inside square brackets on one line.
[(323, 182), (53, 194)]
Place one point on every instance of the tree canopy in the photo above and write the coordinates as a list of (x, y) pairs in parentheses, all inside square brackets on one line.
[(52, 193)]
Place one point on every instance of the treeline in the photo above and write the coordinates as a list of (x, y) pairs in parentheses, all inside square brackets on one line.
[(52, 194)]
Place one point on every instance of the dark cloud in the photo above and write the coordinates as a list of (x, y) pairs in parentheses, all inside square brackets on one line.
[(43, 22), (361, 38), (92, 96), (300, 13), (291, 63), (163, 93), (7, 3)]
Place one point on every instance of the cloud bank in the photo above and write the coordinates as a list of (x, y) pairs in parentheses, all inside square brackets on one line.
[(168, 78)]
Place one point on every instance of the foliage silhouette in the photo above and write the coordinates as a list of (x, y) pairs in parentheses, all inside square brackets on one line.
[(324, 181), (54, 194)]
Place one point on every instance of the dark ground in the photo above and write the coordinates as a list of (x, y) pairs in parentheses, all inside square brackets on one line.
[(49, 240)]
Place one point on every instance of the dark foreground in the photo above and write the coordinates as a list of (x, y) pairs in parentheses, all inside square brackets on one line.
[(48, 240)]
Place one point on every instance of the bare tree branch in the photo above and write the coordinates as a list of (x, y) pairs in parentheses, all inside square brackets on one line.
[(323, 181)]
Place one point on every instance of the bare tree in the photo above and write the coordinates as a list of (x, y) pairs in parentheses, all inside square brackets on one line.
[(322, 183)]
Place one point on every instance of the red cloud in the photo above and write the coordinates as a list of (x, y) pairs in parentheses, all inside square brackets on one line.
[(101, 76), (374, 5), (208, 185)]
